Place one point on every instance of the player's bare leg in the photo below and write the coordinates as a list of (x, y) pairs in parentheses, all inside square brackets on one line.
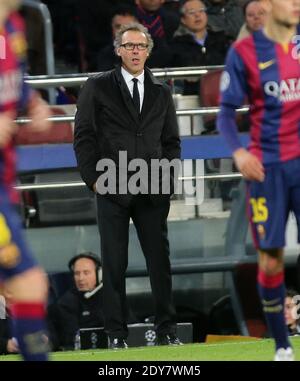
[(28, 292)]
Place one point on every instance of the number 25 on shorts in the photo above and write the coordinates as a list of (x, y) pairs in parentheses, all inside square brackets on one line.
[(259, 209)]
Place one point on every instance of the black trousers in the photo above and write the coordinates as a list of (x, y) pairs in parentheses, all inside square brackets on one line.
[(151, 225)]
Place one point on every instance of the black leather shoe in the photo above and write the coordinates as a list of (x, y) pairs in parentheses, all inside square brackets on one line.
[(118, 344), (168, 339)]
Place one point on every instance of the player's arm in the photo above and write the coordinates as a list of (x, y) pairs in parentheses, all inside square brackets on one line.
[(38, 112), (8, 127), (233, 92), (249, 165)]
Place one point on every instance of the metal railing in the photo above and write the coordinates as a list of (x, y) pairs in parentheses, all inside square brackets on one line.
[(79, 184), (69, 80), (79, 79), (190, 112)]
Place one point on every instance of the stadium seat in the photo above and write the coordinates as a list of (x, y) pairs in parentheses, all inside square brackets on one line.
[(63, 206), (57, 206), (240, 312), (210, 88), (245, 281), (221, 318), (210, 96), (59, 132)]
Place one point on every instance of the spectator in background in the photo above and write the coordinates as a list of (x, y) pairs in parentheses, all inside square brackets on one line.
[(195, 45), (107, 58), (161, 24), (81, 306), (291, 312), (225, 16), (94, 21), (8, 344), (255, 17), (172, 5)]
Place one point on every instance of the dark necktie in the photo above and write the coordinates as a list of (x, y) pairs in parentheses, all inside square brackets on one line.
[(136, 95)]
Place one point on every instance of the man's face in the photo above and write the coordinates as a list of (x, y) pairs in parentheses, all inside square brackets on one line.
[(150, 5), (255, 16), (290, 311), (133, 60), (195, 17), (85, 274), (120, 20), (285, 12)]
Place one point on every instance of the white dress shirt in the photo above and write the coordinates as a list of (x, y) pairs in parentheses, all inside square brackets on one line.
[(129, 82)]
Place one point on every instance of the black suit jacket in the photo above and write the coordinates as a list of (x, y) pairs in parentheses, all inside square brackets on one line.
[(106, 123), (72, 312)]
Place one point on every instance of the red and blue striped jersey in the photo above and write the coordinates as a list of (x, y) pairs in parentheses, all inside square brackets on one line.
[(14, 93), (268, 74)]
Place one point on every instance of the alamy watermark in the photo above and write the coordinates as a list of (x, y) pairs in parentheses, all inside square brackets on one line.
[(154, 177)]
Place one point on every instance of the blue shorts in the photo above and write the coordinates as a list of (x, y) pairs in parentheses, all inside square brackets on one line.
[(15, 256), (270, 202)]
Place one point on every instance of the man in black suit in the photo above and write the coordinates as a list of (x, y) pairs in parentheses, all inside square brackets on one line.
[(128, 110)]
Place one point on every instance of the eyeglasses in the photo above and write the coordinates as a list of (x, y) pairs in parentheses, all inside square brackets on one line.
[(193, 12), (131, 46)]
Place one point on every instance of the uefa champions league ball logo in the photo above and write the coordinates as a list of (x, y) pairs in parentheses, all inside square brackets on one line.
[(150, 337), (94, 340), (224, 81)]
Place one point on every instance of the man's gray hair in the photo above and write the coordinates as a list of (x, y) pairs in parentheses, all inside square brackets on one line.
[(135, 27), (183, 4)]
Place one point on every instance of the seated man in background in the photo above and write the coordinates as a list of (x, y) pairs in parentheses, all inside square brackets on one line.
[(93, 22), (81, 306), (195, 45), (255, 17), (107, 58), (225, 16)]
